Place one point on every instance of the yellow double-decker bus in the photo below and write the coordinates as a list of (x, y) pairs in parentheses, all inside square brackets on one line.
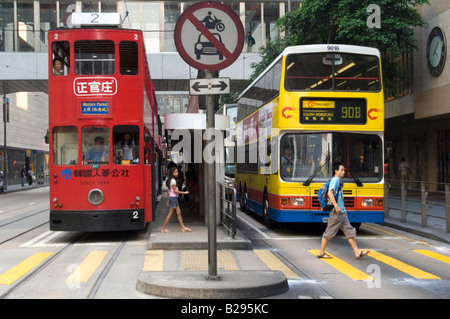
[(313, 105)]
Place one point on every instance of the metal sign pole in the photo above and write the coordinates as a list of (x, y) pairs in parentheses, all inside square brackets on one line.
[(211, 178)]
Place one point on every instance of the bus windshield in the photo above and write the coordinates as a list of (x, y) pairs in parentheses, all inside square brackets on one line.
[(332, 72), (302, 154)]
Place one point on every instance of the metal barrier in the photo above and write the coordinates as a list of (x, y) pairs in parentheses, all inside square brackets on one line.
[(436, 194), (228, 209)]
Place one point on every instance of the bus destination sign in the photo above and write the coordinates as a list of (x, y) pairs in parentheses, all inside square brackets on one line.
[(332, 111)]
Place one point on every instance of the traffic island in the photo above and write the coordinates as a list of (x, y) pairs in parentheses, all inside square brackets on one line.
[(195, 285)]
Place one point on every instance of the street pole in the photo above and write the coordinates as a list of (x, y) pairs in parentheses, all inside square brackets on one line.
[(5, 117), (211, 192)]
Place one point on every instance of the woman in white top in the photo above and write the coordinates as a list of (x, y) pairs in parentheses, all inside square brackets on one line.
[(173, 201), (127, 144)]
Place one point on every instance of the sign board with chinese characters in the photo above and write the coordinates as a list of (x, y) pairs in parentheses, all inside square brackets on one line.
[(92, 86)]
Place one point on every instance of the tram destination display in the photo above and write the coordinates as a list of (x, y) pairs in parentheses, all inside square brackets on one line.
[(333, 111)]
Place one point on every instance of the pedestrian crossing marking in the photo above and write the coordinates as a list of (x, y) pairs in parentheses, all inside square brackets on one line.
[(87, 267), (434, 255), (18, 271), (198, 260), (274, 263), (344, 267), (410, 270), (154, 260)]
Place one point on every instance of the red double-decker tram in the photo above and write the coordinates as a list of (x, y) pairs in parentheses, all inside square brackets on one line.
[(104, 131)]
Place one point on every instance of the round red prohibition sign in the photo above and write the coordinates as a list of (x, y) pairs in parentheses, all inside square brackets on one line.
[(209, 36)]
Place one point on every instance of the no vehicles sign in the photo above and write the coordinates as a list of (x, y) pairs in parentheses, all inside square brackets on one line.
[(209, 36)]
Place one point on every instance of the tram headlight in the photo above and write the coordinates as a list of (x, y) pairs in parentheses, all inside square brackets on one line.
[(95, 196)]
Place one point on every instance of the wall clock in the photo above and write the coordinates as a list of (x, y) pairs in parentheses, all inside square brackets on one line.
[(436, 51)]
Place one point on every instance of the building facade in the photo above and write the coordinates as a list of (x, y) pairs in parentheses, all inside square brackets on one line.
[(418, 123), (416, 120)]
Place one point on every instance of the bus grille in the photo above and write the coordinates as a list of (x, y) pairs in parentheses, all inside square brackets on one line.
[(349, 202)]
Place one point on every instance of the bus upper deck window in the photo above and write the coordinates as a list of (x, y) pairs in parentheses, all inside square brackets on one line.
[(94, 57), (60, 58), (129, 58)]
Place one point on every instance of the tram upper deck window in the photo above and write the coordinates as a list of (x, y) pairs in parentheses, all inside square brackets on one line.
[(129, 57), (94, 57), (95, 145), (60, 58), (332, 72), (65, 145)]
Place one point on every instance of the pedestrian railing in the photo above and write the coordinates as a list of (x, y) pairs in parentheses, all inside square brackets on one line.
[(419, 192), (228, 209)]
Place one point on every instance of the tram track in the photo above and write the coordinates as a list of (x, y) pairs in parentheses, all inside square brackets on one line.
[(53, 259), (22, 219)]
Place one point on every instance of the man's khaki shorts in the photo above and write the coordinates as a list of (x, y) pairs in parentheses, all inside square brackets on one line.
[(336, 222)]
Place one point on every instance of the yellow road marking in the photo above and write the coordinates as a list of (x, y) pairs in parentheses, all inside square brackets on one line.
[(87, 267), (198, 260), (154, 260), (410, 270), (397, 235), (434, 255), (343, 267), (274, 263), (21, 269)]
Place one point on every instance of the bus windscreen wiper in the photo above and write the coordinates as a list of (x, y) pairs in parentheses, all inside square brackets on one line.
[(308, 181), (358, 182)]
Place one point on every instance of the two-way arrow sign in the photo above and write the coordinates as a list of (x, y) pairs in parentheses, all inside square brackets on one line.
[(209, 86)]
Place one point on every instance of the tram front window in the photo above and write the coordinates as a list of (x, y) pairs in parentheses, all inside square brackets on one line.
[(94, 57), (126, 144), (95, 145), (65, 145)]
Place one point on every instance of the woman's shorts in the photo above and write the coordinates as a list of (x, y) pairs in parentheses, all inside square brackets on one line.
[(173, 202)]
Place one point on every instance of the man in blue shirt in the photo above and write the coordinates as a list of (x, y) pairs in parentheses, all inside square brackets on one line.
[(338, 215), (98, 153)]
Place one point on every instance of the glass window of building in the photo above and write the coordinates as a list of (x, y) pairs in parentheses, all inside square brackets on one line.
[(109, 6), (172, 12), (47, 21), (151, 27), (6, 26), (89, 6), (133, 20), (271, 15), (25, 26), (65, 10), (253, 25)]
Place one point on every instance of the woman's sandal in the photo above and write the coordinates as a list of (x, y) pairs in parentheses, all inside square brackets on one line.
[(324, 256), (186, 230), (165, 230)]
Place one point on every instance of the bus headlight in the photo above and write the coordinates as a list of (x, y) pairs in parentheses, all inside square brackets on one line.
[(299, 201), (95, 196), (367, 202)]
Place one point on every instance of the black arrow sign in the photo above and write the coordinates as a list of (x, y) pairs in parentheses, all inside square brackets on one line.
[(197, 86)]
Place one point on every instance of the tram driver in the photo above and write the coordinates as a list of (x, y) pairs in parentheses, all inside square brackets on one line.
[(97, 153)]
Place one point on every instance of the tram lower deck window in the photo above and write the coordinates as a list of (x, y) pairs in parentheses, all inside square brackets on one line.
[(65, 145), (94, 57)]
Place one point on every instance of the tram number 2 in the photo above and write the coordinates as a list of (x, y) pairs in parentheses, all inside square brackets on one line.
[(135, 215)]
